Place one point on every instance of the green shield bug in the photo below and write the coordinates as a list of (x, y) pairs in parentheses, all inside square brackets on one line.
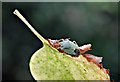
[(70, 47), (65, 46)]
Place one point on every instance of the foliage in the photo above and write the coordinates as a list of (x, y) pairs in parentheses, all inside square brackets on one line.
[(49, 64)]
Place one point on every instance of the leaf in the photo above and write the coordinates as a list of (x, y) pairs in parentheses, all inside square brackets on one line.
[(49, 64)]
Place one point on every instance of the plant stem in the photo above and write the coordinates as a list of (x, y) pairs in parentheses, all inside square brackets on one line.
[(16, 12)]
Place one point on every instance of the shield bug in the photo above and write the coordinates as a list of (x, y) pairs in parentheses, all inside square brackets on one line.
[(66, 46), (70, 47)]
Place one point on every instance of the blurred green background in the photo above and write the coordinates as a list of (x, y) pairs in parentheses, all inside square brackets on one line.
[(84, 22)]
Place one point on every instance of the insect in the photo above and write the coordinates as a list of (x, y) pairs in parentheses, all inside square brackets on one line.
[(65, 46), (69, 47)]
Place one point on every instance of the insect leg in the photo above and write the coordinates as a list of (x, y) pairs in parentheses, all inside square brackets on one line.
[(61, 40), (75, 43)]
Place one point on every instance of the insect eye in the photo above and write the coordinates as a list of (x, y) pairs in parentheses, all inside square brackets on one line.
[(77, 51)]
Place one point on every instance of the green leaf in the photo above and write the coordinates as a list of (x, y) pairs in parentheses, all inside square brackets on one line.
[(49, 64)]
